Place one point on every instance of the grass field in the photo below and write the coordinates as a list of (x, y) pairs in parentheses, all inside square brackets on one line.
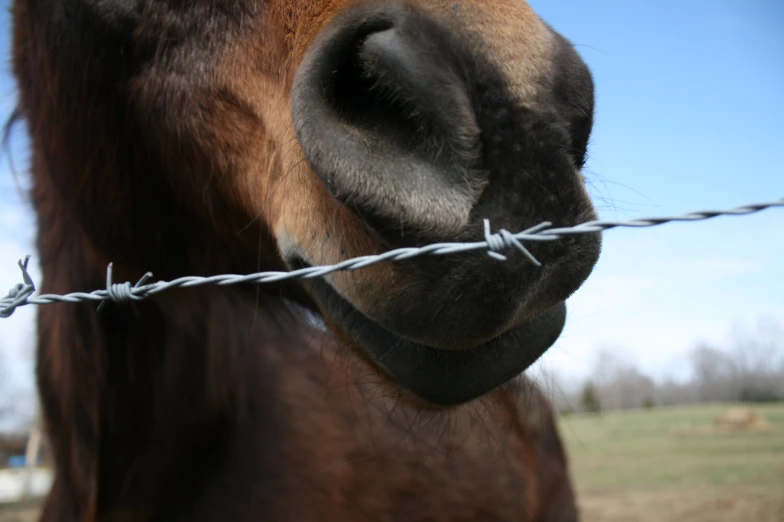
[(662, 465), (668, 464)]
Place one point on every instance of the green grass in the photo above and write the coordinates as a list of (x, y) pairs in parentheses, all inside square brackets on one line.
[(671, 446)]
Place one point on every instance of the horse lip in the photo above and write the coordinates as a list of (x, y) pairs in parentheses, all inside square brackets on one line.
[(442, 377)]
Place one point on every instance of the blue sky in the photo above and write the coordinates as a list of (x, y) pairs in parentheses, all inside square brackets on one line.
[(689, 116)]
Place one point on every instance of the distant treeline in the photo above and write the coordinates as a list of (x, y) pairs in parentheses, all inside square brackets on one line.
[(751, 369)]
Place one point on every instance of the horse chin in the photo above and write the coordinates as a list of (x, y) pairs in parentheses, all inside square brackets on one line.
[(441, 377)]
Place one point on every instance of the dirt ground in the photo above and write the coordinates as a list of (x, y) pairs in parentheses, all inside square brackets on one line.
[(704, 504)]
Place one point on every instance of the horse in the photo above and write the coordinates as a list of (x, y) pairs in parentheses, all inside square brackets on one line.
[(232, 137)]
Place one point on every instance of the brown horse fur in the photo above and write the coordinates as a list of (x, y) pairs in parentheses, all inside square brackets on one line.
[(203, 137)]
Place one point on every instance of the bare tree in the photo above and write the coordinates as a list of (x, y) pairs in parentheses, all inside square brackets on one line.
[(757, 361), (713, 374), (620, 385), (749, 368), (633, 387), (607, 365)]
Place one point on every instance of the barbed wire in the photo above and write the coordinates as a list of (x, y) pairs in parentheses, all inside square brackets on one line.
[(22, 293)]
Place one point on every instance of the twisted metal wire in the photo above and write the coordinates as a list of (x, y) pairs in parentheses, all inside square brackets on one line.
[(22, 293)]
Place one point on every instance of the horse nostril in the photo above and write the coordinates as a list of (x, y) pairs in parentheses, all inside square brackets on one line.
[(384, 118), (373, 90), (412, 79)]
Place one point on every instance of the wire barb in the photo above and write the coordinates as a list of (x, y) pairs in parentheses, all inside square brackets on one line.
[(19, 294), (22, 294), (123, 292), (505, 239)]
